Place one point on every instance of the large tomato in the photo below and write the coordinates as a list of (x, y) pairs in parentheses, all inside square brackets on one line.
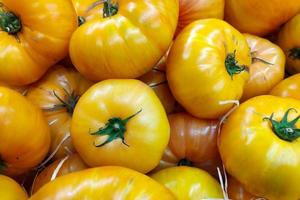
[(11, 190), (189, 183), (57, 94), (126, 39), (58, 168), (207, 65), (192, 10), (289, 41), (34, 35), (120, 122), (193, 142), (237, 192), (259, 146), (103, 183), (267, 68), (260, 17), (289, 87), (25, 135)]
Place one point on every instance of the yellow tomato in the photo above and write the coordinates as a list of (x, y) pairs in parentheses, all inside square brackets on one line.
[(126, 39), (25, 135), (289, 87), (267, 68), (189, 183), (289, 41), (11, 190), (120, 122), (103, 183), (260, 147), (57, 94), (34, 35), (207, 65)]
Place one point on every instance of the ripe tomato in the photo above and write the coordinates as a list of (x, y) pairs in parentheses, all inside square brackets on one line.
[(120, 122), (189, 183), (11, 190), (86, 10), (192, 10), (289, 87), (57, 94), (58, 168), (104, 183), (34, 35), (289, 41), (25, 135), (259, 146), (193, 142), (208, 64), (260, 17), (267, 68), (237, 192), (126, 39)]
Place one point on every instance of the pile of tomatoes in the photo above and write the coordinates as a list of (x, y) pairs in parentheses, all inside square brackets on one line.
[(149, 99)]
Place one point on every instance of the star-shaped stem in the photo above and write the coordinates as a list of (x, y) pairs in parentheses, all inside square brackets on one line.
[(232, 65)]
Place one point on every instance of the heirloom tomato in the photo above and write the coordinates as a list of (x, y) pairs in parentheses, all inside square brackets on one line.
[(192, 10), (208, 64), (189, 183), (126, 39), (237, 192), (104, 183), (289, 41), (259, 146), (34, 35), (120, 122), (193, 142), (289, 87), (267, 68), (86, 10), (57, 94), (61, 167), (11, 190), (24, 135), (260, 17)]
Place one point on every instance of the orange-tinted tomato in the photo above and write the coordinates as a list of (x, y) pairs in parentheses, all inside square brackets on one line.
[(24, 133), (11, 190), (57, 94), (289, 87)]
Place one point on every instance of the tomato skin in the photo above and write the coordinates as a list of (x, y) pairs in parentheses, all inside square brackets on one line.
[(108, 182), (254, 155), (189, 183), (128, 37), (72, 163), (39, 45), (192, 10), (288, 38), (267, 68), (60, 81), (237, 192), (11, 190), (196, 69), (288, 87), (193, 140), (259, 17), (24, 120), (146, 135)]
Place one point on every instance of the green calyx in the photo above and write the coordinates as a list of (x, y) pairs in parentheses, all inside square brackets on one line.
[(68, 104), (115, 128), (284, 129), (294, 53), (81, 20), (232, 65), (184, 162), (109, 8), (10, 23)]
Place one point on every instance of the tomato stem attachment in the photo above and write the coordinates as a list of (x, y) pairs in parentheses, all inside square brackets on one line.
[(9, 22), (81, 20), (109, 8), (284, 129), (115, 128), (232, 65), (294, 53), (185, 162)]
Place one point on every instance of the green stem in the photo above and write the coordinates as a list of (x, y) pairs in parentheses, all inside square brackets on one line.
[(109, 8), (115, 128), (9, 22), (81, 20), (294, 53), (232, 65), (185, 162), (284, 129)]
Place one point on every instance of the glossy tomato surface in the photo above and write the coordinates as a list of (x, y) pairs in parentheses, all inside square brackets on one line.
[(289, 87), (11, 190)]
